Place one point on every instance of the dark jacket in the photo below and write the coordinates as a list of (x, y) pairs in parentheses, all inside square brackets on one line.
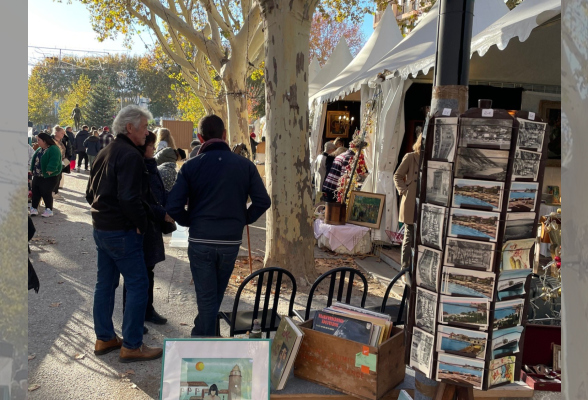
[(69, 151), (118, 187), (72, 141), (166, 155), (153, 241), (215, 184), (92, 145), (80, 139)]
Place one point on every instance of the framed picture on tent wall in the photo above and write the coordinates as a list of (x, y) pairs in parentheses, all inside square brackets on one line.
[(550, 111), (338, 124)]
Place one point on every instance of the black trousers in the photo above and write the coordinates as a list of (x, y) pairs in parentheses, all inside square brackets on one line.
[(43, 188), (56, 188), (82, 155), (149, 310)]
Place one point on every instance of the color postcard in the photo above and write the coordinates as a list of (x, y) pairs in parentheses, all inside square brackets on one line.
[(465, 342)]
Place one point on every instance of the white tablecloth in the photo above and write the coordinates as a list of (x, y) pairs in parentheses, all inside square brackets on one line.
[(355, 239)]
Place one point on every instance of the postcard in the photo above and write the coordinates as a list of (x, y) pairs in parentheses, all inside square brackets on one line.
[(502, 370), (464, 311), (484, 132), (428, 268), (426, 310), (465, 342), (522, 196), (516, 254), (460, 370), (506, 341), (444, 139), (531, 134), (439, 176), (468, 193), (526, 164), (432, 225), (511, 283), (474, 224), (469, 253), (481, 164), (421, 351), (508, 314), (467, 282), (519, 225)]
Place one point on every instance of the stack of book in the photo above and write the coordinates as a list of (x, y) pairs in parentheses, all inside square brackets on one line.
[(353, 323)]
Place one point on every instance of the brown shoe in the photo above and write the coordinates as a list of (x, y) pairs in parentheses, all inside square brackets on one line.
[(101, 347), (143, 353)]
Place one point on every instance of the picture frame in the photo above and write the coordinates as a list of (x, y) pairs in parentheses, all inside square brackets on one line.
[(334, 127), (550, 112), (557, 357), (191, 367), (365, 209)]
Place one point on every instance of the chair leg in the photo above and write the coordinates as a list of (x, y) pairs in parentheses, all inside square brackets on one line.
[(218, 318)]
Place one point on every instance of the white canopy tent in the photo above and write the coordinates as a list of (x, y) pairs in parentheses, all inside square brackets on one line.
[(313, 69), (339, 59)]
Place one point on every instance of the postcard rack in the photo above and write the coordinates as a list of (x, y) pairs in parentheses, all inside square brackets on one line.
[(476, 217)]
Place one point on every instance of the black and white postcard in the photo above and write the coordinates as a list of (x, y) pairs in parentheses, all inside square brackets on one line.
[(467, 282), (473, 311), (468, 193), (460, 370), (433, 225), (465, 342), (526, 164), (469, 253), (508, 314), (439, 176), (506, 341), (421, 351), (522, 196), (445, 139), (531, 134), (428, 268), (426, 310), (484, 132), (473, 223), (519, 225), (481, 164)]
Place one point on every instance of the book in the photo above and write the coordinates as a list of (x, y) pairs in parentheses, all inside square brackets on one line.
[(381, 327), (362, 310), (285, 347), (343, 327), (377, 318)]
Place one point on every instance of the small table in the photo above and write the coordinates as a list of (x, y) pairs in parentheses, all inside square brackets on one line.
[(343, 239)]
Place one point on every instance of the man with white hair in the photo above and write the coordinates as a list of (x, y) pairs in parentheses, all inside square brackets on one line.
[(323, 166), (117, 191)]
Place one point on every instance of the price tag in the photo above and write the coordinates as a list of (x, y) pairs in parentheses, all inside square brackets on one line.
[(487, 112), (446, 112), (531, 115)]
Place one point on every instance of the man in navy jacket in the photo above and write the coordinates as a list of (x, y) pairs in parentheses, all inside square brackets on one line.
[(215, 185)]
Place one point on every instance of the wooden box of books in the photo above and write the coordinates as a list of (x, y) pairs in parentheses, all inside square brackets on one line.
[(365, 371)]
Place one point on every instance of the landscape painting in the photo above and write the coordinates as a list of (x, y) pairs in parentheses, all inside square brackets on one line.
[(464, 282), (421, 351), (469, 253), (475, 224), (223, 377), (502, 370), (526, 164), (464, 310), (469, 193), (531, 134), (481, 164), (516, 254), (519, 226), (460, 370), (439, 177), (426, 310), (463, 342), (508, 314), (484, 132), (432, 225), (365, 209), (522, 196), (428, 268), (512, 283), (506, 341), (444, 139)]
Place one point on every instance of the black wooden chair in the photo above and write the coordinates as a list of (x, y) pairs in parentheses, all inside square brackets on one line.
[(396, 311), (241, 322), (341, 273)]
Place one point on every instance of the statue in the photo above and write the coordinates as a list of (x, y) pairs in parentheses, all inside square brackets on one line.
[(76, 114)]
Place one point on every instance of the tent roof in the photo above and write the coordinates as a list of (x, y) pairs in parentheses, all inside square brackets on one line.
[(339, 59), (385, 36), (313, 69)]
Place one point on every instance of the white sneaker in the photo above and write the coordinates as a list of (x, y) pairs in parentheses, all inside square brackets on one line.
[(47, 213), (34, 211)]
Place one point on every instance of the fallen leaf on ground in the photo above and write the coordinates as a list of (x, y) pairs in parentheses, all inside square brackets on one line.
[(32, 356), (54, 304), (183, 324), (79, 356), (34, 387), (60, 282), (130, 372), (133, 386)]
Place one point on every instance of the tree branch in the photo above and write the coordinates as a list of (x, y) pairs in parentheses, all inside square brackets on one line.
[(212, 10), (252, 22)]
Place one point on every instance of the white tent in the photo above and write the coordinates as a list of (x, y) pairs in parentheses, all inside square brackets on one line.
[(338, 60), (313, 69)]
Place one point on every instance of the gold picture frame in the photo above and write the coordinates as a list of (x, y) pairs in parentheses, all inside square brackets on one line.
[(334, 127), (365, 209)]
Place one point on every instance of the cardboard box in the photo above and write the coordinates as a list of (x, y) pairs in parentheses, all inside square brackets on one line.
[(538, 382), (350, 367)]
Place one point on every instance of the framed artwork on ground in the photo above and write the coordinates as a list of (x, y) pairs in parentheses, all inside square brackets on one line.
[(215, 368), (338, 124), (365, 209)]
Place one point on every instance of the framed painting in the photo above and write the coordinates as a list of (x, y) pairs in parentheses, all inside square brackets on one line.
[(550, 111), (365, 209), (338, 124)]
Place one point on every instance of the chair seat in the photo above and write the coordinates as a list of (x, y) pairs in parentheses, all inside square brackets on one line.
[(244, 318), (391, 309), (300, 314)]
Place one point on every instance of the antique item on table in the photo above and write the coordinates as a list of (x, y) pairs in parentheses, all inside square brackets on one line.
[(469, 253), (519, 226), (283, 352), (501, 371), (522, 196), (444, 139), (460, 370), (439, 176), (421, 351), (433, 225), (554, 191), (557, 357), (467, 311), (516, 254), (467, 282), (338, 124), (508, 314), (531, 134), (506, 341), (526, 165), (481, 164), (463, 342), (428, 268), (474, 224), (469, 193), (365, 209), (486, 133), (511, 283), (426, 310)]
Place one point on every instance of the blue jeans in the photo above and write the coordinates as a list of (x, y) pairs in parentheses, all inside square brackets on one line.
[(120, 252), (211, 266)]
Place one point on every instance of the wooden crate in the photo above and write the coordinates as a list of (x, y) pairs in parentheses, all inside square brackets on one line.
[(331, 361), (182, 132)]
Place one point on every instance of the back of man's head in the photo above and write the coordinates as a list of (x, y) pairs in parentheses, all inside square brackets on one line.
[(330, 147), (85, 128), (211, 127)]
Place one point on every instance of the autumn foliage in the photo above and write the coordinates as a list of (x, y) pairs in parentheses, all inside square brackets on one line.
[(325, 33)]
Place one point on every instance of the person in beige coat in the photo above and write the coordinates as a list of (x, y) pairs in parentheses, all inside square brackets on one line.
[(405, 180)]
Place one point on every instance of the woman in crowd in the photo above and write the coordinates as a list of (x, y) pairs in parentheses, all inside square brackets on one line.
[(59, 139), (164, 139), (167, 165), (153, 248), (45, 167), (92, 146)]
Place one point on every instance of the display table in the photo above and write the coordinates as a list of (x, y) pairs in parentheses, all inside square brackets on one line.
[(343, 239)]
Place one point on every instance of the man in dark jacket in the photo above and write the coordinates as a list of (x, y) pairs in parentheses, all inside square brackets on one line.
[(117, 191), (215, 184), (80, 149), (105, 137)]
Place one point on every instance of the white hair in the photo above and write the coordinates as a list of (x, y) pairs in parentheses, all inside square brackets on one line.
[(129, 115)]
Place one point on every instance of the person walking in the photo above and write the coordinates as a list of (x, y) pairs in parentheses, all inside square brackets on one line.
[(80, 149), (164, 139), (216, 185), (405, 180), (153, 249), (71, 138), (59, 137), (45, 167), (92, 146), (194, 146), (252, 142), (117, 192), (106, 137)]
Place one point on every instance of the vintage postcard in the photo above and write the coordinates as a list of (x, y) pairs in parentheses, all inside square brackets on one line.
[(516, 254), (474, 224), (467, 282), (506, 341), (531, 134), (444, 139), (464, 310), (508, 314), (519, 225), (511, 283), (432, 225), (469, 254), (439, 176), (522, 196), (426, 310), (526, 165), (481, 164), (502, 370), (469, 193), (460, 370), (484, 132), (464, 342), (421, 351), (428, 268)]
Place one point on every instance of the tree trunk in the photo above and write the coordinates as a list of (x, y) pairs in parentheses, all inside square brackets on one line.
[(289, 233), (234, 75)]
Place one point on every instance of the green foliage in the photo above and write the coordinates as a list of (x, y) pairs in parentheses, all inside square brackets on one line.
[(102, 106), (41, 107), (153, 72), (512, 3), (78, 94), (256, 94)]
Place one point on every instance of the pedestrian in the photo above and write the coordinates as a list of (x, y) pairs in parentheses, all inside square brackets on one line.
[(218, 184), (117, 192), (323, 166), (45, 167), (164, 139), (340, 147), (405, 180), (106, 137), (153, 249), (58, 136), (169, 154), (339, 167), (194, 147), (252, 141), (168, 171), (80, 149), (72, 142), (92, 146)]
